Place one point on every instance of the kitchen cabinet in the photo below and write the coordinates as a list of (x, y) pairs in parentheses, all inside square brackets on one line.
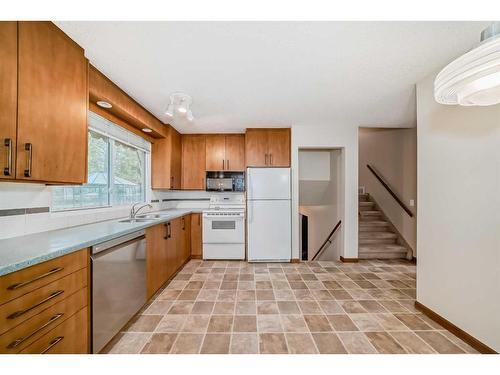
[(157, 257), (166, 161), (193, 162), (196, 235), (267, 147), (225, 152), (46, 80), (185, 239), (44, 308), (8, 98)]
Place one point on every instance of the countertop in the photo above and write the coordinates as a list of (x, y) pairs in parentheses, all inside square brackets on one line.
[(20, 252)]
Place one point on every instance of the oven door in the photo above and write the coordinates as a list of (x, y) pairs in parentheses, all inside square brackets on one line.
[(219, 229)]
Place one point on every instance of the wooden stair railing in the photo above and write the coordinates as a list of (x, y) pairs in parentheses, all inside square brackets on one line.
[(328, 240), (387, 187)]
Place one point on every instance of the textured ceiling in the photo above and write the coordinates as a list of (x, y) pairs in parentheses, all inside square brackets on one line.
[(244, 74)]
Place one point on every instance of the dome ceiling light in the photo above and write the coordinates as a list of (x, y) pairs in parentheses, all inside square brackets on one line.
[(474, 78), (180, 104)]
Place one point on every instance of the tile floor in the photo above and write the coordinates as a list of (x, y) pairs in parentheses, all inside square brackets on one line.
[(309, 307)]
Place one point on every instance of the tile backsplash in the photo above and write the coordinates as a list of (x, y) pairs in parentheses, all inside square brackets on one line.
[(25, 208)]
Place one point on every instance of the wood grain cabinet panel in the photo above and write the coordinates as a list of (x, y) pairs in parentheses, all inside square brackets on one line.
[(235, 152), (196, 235), (215, 152), (278, 143), (70, 337), (267, 147), (8, 98), (157, 257), (193, 161), (256, 147), (166, 161), (52, 106), (186, 239)]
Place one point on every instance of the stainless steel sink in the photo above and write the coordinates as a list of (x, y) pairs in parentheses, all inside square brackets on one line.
[(137, 220)]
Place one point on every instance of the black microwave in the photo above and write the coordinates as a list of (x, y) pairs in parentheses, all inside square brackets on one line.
[(225, 181)]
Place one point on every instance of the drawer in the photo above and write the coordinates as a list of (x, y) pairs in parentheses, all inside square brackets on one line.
[(17, 311), (69, 337), (23, 281), (24, 334)]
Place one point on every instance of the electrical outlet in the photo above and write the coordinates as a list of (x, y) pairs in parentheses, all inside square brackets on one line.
[(412, 202)]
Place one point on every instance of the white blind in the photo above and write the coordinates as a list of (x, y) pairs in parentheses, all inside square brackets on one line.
[(109, 129)]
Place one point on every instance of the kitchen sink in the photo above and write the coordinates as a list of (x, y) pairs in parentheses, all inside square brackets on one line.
[(138, 220)]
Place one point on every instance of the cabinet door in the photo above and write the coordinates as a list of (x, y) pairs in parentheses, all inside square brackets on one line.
[(176, 166), (175, 246), (215, 152), (8, 98), (193, 162), (156, 259), (278, 141), (256, 148), (235, 152), (196, 235), (186, 238), (52, 106)]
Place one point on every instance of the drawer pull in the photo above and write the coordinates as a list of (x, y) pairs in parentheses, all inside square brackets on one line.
[(52, 344), (20, 285), (17, 314), (20, 340)]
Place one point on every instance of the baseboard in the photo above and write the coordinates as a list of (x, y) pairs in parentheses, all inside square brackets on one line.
[(348, 260), (295, 260), (460, 333), (195, 256)]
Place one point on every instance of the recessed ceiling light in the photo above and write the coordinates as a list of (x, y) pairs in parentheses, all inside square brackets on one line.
[(147, 130), (103, 104)]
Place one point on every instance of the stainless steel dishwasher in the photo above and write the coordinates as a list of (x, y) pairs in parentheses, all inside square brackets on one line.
[(118, 285)]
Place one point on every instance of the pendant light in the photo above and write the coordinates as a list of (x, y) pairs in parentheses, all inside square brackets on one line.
[(474, 78)]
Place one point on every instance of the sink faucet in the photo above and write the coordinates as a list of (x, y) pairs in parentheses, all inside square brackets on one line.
[(134, 211)]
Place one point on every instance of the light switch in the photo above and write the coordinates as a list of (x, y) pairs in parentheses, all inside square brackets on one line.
[(412, 202)]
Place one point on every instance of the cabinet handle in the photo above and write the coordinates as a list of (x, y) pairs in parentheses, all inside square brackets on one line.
[(20, 340), (183, 224), (166, 231), (53, 343), (227, 164), (21, 284), (171, 182), (7, 171), (199, 219), (271, 159), (169, 230), (17, 314), (223, 164), (29, 148), (265, 159)]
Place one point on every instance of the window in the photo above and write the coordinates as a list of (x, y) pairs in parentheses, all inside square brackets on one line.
[(116, 170)]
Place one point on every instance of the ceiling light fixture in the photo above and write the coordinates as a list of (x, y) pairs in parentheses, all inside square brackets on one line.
[(474, 78), (103, 104), (180, 104), (147, 130)]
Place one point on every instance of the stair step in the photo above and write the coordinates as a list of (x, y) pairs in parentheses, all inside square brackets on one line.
[(377, 241), (378, 235), (366, 204), (363, 197), (381, 252), (373, 223), (370, 213)]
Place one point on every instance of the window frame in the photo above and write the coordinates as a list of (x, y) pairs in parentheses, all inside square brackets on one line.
[(112, 139)]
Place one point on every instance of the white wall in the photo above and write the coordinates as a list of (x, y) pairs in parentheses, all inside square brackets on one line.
[(329, 136), (458, 229)]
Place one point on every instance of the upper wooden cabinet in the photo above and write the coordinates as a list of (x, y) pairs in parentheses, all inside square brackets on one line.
[(225, 152), (8, 98), (193, 162), (267, 147), (166, 161), (50, 74)]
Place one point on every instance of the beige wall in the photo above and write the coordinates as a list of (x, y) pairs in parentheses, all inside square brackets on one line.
[(321, 198), (458, 238), (393, 152)]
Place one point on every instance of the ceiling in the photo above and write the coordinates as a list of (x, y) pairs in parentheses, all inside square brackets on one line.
[(247, 74)]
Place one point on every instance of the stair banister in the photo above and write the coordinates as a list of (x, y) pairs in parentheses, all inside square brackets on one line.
[(328, 240)]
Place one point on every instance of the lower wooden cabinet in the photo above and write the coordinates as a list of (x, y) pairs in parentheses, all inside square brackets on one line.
[(44, 308), (168, 248), (196, 235)]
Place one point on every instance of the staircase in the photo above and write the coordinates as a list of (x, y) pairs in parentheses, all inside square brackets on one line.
[(377, 238)]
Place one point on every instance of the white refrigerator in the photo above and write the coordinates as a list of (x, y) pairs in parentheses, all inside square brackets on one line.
[(269, 216)]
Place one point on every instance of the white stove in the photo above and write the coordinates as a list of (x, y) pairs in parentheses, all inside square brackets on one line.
[(224, 228)]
